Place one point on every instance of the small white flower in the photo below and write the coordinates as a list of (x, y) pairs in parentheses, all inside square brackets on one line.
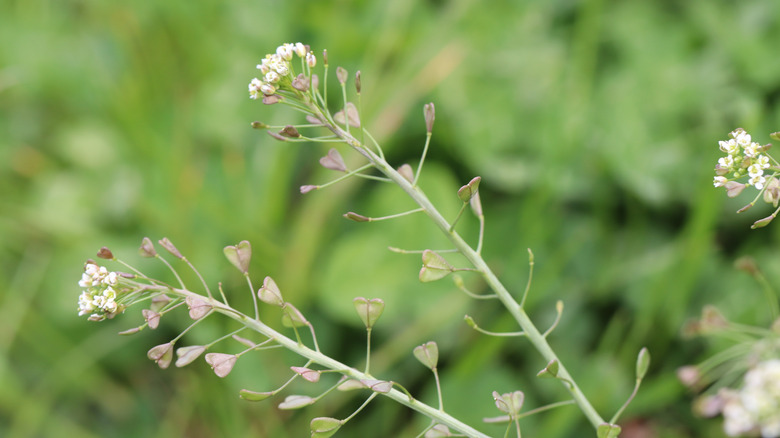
[(300, 50), (311, 61), (272, 77), (755, 170), (763, 161), (285, 51), (737, 419), (726, 162), (109, 293), (86, 280), (751, 149), (720, 181), (742, 138), (730, 147), (111, 279), (267, 89), (757, 181), (85, 303), (110, 306)]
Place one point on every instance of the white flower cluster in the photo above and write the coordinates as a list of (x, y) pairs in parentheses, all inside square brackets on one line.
[(99, 295), (743, 155), (276, 68), (756, 406)]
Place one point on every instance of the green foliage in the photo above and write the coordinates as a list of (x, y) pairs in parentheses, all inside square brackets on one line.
[(592, 124)]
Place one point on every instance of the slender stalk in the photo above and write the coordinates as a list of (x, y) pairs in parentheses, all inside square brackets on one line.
[(327, 362), (534, 335)]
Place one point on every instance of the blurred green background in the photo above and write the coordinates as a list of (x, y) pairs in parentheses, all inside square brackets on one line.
[(594, 125)]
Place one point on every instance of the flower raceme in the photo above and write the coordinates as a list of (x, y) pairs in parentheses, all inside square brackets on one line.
[(744, 157), (756, 406), (99, 297), (277, 69)]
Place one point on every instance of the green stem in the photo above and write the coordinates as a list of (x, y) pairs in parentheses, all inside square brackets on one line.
[(327, 362), (534, 336)]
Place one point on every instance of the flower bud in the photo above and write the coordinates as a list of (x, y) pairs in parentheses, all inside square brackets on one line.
[(357, 81), (429, 111), (341, 75), (105, 253), (689, 376), (147, 248), (325, 57), (300, 50), (642, 363), (308, 188), (775, 136), (170, 247), (290, 131), (311, 60), (259, 125), (356, 217)]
